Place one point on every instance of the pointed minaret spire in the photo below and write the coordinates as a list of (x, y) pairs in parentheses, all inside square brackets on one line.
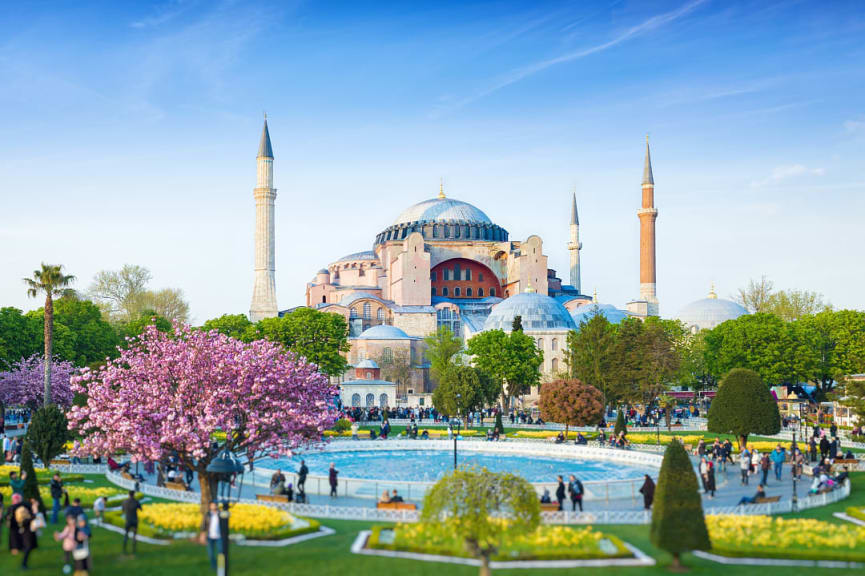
[(574, 244), (647, 167), (264, 148)]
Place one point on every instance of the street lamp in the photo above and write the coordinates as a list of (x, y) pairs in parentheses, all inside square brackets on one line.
[(794, 449), (228, 471)]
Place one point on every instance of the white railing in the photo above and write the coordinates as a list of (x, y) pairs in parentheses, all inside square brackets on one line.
[(415, 490), (80, 468), (151, 489), (687, 424)]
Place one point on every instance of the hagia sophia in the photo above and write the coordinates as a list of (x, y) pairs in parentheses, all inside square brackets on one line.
[(444, 262)]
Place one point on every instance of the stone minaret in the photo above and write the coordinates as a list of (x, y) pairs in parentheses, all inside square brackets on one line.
[(574, 245), (648, 214), (264, 293)]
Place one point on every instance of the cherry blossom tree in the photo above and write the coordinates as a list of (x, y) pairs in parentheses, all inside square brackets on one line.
[(24, 384), (173, 392)]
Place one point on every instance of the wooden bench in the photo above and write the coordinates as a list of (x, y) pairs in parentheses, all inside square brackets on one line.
[(272, 497), (846, 462), (549, 506), (767, 500), (396, 506), (177, 486), (127, 476)]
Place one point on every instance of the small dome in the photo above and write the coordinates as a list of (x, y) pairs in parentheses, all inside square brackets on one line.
[(707, 313), (367, 364), (537, 312), (384, 332), (365, 255), (442, 210), (324, 271), (586, 312)]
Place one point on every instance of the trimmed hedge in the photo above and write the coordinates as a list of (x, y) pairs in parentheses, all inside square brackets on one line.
[(115, 518)]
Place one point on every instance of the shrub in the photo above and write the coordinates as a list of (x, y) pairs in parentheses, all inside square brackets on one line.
[(48, 433), (31, 483), (621, 426), (678, 524), (744, 406), (342, 425), (572, 403)]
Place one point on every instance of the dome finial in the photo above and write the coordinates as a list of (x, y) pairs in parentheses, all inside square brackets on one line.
[(595, 296), (441, 188), (712, 294)]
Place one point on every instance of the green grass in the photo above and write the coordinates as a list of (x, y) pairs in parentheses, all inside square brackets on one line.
[(331, 556)]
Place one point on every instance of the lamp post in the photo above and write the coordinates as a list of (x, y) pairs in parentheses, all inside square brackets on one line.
[(226, 469), (794, 449)]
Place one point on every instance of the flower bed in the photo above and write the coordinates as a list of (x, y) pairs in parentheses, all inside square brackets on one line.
[(250, 520), (87, 495), (433, 433), (776, 537), (857, 513), (43, 476), (548, 542)]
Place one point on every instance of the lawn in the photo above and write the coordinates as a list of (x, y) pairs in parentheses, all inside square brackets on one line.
[(330, 555)]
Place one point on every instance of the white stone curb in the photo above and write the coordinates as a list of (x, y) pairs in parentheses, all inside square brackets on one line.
[(775, 561), (322, 531), (145, 539), (640, 558), (847, 518)]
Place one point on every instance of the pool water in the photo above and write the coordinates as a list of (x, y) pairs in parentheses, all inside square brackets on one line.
[(430, 465)]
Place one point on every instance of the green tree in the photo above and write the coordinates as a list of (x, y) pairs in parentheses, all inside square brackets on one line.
[(678, 523), (472, 504), (320, 337), (628, 367), (92, 339), (742, 406), (19, 336), (662, 343), (517, 324), (50, 281), (31, 483), (758, 342), (838, 345), (458, 392), (396, 367), (511, 360), (234, 325), (48, 433), (621, 424), (694, 371), (499, 425), (442, 350), (124, 297), (572, 403), (134, 328), (852, 394), (791, 305), (756, 296), (590, 352)]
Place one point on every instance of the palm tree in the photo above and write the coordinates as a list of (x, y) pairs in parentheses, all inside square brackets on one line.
[(53, 282)]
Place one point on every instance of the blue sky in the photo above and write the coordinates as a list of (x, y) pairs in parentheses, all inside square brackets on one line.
[(128, 134)]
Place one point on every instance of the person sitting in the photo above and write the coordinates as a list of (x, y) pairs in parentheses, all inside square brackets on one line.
[(761, 493), (849, 455), (385, 498), (424, 435), (278, 489), (289, 492), (560, 438), (841, 477), (581, 440), (394, 497), (545, 498), (275, 479), (372, 435)]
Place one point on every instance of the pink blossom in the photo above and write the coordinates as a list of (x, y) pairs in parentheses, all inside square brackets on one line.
[(25, 383)]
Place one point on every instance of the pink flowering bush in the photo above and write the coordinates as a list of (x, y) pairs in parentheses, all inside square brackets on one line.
[(24, 384), (170, 392)]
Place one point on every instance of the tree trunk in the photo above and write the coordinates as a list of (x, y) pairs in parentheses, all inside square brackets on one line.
[(676, 566), (208, 493), (743, 441), (485, 565), (49, 346)]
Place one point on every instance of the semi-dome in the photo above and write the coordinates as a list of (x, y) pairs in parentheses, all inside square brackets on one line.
[(537, 312), (367, 364), (442, 210), (365, 255), (586, 312), (384, 332), (708, 312)]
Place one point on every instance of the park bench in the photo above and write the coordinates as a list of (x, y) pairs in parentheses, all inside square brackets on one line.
[(396, 506), (127, 476), (549, 506), (177, 486), (272, 498), (767, 500), (60, 462), (846, 462)]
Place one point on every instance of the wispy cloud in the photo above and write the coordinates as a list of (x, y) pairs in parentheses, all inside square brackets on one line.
[(522, 73), (690, 94), (162, 14), (855, 126), (786, 172)]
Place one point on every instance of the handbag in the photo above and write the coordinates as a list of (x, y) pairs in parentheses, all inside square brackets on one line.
[(81, 553)]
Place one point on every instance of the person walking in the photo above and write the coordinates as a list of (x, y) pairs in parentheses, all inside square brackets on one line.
[(56, 490), (17, 482), (648, 492), (704, 473), (778, 456), (824, 447), (81, 553), (130, 508), (745, 465), (560, 493), (15, 540), (710, 478), (765, 464), (67, 539), (301, 478), (214, 534), (99, 509), (25, 516), (812, 449), (331, 476), (575, 489)]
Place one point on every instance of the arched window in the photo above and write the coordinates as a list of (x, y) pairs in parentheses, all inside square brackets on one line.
[(457, 292), (355, 400), (382, 400), (555, 364), (433, 291), (492, 291), (540, 343), (444, 290), (468, 274), (468, 291), (554, 345), (352, 314), (380, 314), (370, 400), (367, 311), (387, 355), (369, 375), (480, 292), (323, 299)]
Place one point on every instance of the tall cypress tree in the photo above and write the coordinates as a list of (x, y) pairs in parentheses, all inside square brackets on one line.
[(678, 523), (31, 485), (621, 425)]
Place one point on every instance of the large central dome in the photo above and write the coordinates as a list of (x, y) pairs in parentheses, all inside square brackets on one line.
[(442, 210)]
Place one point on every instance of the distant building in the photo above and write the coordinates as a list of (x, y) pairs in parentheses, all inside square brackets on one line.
[(706, 313)]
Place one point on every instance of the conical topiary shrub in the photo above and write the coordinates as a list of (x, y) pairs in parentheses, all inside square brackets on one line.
[(678, 523), (621, 425), (500, 426), (31, 484)]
